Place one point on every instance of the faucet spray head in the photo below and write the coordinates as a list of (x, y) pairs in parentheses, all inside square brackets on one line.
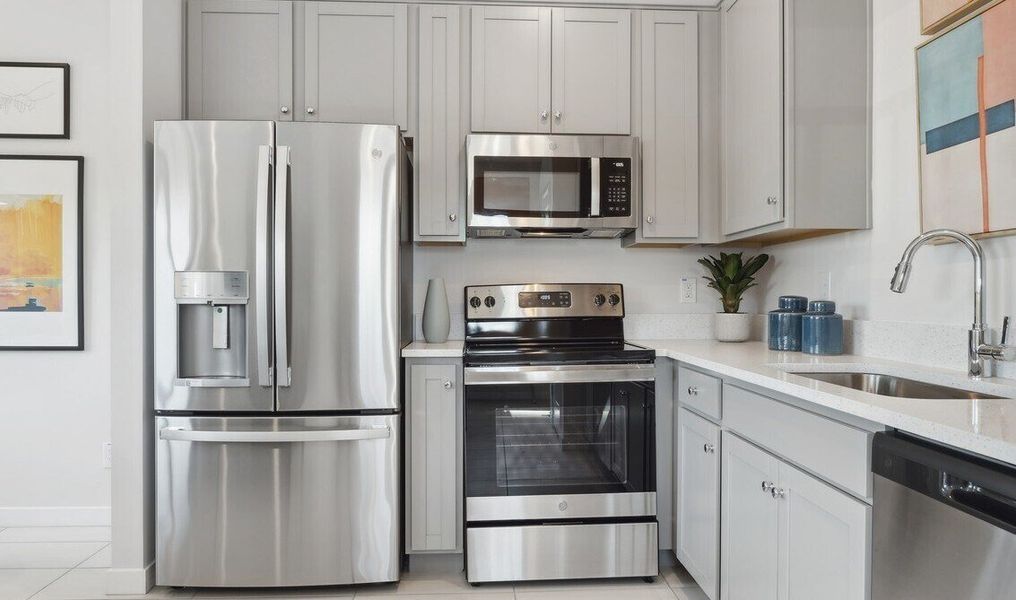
[(901, 277)]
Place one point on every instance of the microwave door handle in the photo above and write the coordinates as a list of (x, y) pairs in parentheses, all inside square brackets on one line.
[(264, 354), (283, 372), (594, 187)]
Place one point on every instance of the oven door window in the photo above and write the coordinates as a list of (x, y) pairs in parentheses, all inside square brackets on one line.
[(536, 187), (576, 438)]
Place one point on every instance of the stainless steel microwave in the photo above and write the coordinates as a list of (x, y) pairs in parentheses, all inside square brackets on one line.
[(581, 186)]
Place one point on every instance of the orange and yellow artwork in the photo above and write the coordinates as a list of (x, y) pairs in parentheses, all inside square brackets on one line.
[(31, 253)]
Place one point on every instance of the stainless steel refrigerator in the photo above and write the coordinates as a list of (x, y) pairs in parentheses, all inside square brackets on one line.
[(282, 276)]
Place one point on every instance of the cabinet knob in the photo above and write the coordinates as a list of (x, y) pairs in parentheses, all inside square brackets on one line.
[(453, 217), (777, 492), (543, 116), (650, 219), (310, 110), (692, 390), (708, 448), (771, 200), (767, 486), (284, 110), (557, 115), (448, 384)]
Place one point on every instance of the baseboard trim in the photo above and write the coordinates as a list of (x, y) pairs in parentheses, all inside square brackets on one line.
[(130, 581), (55, 516)]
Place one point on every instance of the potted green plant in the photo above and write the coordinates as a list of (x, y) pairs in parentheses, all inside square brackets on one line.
[(731, 276)]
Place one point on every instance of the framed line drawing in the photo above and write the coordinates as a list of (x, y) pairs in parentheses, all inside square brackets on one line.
[(41, 253), (35, 100)]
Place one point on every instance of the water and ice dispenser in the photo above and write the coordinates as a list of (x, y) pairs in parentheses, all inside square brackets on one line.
[(212, 328)]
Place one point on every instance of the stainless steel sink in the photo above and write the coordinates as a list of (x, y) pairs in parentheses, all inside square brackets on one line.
[(889, 385)]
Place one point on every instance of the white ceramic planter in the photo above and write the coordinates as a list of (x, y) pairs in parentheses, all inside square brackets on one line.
[(732, 327)]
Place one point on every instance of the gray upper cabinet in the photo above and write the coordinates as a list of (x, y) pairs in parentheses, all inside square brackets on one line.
[(591, 72), (439, 147), (752, 112), (355, 62), (796, 113), (240, 59), (667, 92), (543, 70), (511, 69)]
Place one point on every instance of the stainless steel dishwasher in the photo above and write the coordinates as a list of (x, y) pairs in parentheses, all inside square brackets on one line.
[(944, 523)]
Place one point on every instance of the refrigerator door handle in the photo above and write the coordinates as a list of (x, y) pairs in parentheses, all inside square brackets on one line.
[(179, 434), (264, 356), (284, 374)]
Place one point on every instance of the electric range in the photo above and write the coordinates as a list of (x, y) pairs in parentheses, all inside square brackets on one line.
[(560, 445)]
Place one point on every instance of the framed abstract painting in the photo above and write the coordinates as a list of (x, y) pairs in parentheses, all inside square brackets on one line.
[(936, 15), (966, 79), (35, 100), (41, 260)]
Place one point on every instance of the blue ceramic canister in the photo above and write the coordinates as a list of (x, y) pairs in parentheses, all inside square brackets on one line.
[(785, 323), (822, 329)]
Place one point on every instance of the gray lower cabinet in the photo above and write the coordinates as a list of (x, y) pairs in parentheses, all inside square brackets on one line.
[(697, 502), (794, 523), (433, 445), (439, 150), (240, 59)]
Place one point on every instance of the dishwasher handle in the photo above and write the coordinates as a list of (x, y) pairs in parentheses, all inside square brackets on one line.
[(974, 484)]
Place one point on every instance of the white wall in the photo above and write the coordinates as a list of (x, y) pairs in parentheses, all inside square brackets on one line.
[(54, 406), (861, 263), (651, 276)]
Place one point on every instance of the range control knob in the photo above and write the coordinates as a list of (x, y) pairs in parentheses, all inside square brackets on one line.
[(475, 302), (489, 301), (599, 299), (614, 300)]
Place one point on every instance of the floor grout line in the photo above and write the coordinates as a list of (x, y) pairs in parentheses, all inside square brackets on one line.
[(58, 577)]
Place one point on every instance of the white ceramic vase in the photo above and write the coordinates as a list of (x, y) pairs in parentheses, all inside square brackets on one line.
[(436, 320), (732, 327)]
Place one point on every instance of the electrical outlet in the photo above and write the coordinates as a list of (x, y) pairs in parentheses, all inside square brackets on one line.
[(107, 455), (688, 290)]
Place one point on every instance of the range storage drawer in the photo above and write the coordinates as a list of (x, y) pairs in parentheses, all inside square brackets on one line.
[(699, 391), (532, 552), (838, 453)]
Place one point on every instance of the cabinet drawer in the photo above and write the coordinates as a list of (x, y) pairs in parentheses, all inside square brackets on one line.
[(699, 391), (835, 452)]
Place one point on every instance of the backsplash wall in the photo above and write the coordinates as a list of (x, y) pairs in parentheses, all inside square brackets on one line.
[(651, 279)]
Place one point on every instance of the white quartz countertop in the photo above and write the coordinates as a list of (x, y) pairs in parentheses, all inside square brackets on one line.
[(986, 427), (449, 349)]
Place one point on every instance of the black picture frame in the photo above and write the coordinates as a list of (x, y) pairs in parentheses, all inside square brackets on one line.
[(66, 68), (80, 266)]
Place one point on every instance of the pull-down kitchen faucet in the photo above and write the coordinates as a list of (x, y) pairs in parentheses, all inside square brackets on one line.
[(977, 349)]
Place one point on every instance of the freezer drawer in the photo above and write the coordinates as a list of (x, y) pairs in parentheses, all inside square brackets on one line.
[(277, 501)]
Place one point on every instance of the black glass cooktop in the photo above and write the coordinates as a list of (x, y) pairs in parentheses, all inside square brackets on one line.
[(557, 353)]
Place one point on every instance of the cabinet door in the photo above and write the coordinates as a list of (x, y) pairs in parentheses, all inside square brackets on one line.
[(591, 83), (511, 69), (670, 130), (823, 540), (698, 500), (440, 151), (240, 59), (752, 114), (434, 448), (749, 522), (356, 62)]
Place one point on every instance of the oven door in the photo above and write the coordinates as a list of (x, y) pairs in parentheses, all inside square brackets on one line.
[(566, 442)]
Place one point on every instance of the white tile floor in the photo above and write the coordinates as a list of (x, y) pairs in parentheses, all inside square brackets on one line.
[(69, 563)]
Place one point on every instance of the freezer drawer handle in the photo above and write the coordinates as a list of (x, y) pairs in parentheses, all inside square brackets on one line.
[(179, 434)]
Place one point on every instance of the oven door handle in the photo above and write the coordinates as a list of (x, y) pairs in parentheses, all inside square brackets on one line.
[(529, 374)]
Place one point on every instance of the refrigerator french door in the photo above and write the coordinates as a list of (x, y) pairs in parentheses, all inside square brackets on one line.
[(281, 299)]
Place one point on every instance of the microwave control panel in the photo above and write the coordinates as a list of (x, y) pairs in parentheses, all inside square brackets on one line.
[(615, 187)]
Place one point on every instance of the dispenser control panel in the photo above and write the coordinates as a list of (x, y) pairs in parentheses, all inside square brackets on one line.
[(211, 287)]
